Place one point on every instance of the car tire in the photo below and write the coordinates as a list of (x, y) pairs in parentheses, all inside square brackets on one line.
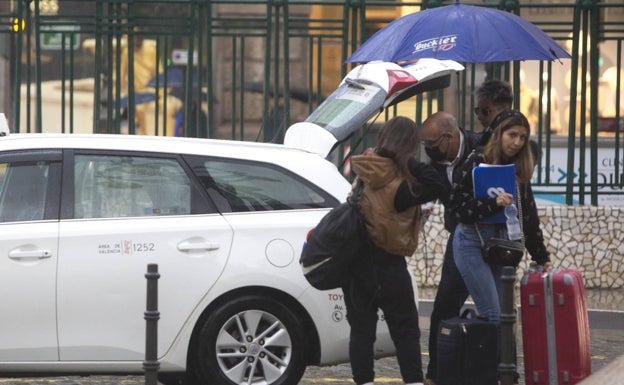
[(250, 336)]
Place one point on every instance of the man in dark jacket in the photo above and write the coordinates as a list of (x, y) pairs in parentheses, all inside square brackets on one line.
[(447, 145), (493, 97)]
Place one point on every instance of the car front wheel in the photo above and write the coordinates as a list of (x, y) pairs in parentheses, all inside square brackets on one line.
[(250, 340)]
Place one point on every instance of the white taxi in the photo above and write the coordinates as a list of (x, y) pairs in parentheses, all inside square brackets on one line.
[(82, 216)]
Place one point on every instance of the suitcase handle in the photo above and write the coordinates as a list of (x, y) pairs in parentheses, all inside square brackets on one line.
[(469, 313)]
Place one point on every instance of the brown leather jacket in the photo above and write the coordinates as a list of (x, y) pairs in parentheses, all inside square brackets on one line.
[(395, 232)]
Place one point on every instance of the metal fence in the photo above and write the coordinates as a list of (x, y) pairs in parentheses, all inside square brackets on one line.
[(246, 70)]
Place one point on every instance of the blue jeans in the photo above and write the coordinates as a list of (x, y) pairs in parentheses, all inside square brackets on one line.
[(482, 280)]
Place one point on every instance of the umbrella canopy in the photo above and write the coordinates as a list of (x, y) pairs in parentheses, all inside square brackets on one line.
[(180, 93), (139, 98), (464, 33), (172, 77)]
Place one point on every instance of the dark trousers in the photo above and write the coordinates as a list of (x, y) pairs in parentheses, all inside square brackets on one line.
[(449, 299), (394, 295)]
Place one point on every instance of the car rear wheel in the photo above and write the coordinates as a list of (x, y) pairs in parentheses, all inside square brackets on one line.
[(250, 340)]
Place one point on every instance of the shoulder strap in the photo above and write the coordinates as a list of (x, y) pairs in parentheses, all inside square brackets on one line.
[(520, 217), (357, 191)]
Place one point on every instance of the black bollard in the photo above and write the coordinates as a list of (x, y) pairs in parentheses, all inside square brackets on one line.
[(506, 366), (152, 315)]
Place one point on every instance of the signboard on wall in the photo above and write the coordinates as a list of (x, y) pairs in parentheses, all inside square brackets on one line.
[(57, 37), (181, 57), (610, 190)]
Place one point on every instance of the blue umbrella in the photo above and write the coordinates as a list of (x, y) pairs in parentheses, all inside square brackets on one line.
[(172, 77), (180, 93), (139, 98), (464, 33)]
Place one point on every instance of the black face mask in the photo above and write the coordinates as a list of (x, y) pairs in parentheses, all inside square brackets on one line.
[(435, 154)]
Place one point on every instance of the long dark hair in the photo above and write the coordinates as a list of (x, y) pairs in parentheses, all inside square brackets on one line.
[(398, 140), (492, 151)]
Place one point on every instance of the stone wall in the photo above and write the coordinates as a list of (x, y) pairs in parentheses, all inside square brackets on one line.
[(587, 238), (248, 50)]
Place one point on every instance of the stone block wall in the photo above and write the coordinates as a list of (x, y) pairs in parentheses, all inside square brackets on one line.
[(242, 57), (587, 238)]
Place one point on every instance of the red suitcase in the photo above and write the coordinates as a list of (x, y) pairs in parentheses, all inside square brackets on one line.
[(555, 328)]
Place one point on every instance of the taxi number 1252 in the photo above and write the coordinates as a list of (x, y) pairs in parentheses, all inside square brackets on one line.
[(142, 247)]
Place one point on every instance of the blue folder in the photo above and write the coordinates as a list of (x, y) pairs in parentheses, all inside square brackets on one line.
[(489, 180)]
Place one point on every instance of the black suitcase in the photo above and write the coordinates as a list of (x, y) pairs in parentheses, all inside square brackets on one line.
[(467, 351)]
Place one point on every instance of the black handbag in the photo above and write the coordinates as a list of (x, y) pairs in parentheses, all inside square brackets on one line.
[(503, 252)]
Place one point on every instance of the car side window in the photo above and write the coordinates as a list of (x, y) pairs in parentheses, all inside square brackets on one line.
[(238, 186), (110, 186), (23, 191)]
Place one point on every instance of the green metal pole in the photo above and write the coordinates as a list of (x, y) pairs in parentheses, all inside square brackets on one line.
[(593, 105), (576, 29), (38, 124)]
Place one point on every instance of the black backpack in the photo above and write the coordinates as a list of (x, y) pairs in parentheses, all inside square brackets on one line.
[(333, 245)]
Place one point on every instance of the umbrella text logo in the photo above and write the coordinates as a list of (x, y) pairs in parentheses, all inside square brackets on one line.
[(443, 43)]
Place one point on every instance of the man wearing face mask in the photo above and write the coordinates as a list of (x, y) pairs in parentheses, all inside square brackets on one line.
[(447, 145)]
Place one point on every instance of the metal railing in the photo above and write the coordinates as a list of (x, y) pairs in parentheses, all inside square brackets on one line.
[(246, 70)]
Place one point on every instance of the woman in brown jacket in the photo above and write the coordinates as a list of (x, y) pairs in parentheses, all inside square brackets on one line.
[(395, 185)]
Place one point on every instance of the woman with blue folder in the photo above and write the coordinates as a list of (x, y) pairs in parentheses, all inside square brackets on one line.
[(477, 213)]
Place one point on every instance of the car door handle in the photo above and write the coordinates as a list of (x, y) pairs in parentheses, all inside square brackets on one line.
[(191, 246), (29, 254)]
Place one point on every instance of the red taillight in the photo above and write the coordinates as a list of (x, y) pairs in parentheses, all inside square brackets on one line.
[(398, 80)]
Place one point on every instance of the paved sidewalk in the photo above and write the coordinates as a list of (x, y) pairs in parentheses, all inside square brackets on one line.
[(612, 374), (606, 319)]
